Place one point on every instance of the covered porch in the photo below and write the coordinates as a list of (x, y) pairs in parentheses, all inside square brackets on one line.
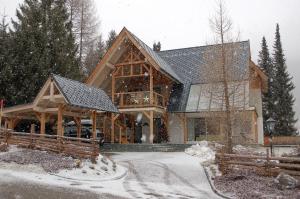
[(60, 100)]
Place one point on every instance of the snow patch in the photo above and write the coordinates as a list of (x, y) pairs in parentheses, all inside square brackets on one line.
[(202, 151)]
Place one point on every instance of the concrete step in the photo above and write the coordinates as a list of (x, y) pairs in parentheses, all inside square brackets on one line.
[(107, 147)]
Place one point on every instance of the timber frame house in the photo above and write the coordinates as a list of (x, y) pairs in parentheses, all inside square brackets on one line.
[(152, 93)]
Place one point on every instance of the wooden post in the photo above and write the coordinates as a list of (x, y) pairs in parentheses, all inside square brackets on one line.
[(185, 131), (120, 134), (94, 114), (113, 82), (59, 120), (132, 131), (151, 85), (112, 139), (151, 126), (32, 131), (10, 123), (43, 123)]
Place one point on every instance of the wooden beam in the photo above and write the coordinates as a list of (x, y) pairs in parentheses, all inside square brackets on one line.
[(129, 63), (185, 131), (151, 85), (151, 127), (43, 123), (120, 134), (60, 120), (183, 119), (147, 115), (52, 91), (94, 115), (112, 139), (53, 97)]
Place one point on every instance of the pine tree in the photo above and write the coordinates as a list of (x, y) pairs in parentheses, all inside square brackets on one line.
[(43, 44), (265, 63), (111, 38), (5, 62), (283, 87), (156, 46)]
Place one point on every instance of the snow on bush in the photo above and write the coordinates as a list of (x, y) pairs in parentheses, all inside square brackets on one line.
[(202, 151)]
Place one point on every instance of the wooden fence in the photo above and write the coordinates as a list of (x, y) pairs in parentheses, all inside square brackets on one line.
[(283, 140), (266, 165), (75, 147)]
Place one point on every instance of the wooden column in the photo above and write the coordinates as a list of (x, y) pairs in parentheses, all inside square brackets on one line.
[(32, 128), (94, 114), (113, 82), (112, 134), (120, 134), (10, 123), (43, 123), (185, 129), (132, 131), (59, 120), (151, 126), (151, 85)]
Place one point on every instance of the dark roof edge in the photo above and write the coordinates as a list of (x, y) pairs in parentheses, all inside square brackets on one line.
[(245, 41)]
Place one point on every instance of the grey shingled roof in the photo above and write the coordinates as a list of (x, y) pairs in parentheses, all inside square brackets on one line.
[(161, 62), (187, 63), (82, 95)]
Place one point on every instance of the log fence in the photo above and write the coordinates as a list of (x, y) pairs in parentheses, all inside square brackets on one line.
[(75, 147), (265, 165)]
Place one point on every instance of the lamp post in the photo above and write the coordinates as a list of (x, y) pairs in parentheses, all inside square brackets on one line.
[(271, 126)]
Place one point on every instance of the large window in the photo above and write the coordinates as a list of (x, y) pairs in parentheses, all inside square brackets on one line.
[(210, 97)]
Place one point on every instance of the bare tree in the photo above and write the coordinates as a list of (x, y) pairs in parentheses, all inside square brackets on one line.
[(85, 25), (226, 79)]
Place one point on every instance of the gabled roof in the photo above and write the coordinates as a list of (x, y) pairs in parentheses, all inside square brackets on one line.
[(161, 62), (82, 95), (151, 56)]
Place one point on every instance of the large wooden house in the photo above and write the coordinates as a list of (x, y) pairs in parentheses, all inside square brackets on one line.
[(165, 93)]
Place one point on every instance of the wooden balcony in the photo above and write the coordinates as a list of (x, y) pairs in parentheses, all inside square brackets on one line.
[(139, 99)]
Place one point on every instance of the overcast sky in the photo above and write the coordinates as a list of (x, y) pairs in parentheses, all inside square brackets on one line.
[(178, 24)]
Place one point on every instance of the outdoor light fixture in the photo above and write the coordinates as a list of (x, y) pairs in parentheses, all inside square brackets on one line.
[(271, 127)]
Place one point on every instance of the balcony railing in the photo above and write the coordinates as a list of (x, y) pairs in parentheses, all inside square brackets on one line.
[(139, 99)]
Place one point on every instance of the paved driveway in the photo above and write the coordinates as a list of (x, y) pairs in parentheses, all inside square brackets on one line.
[(164, 175)]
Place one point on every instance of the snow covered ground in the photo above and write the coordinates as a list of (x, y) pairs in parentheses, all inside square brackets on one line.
[(149, 175), (164, 175)]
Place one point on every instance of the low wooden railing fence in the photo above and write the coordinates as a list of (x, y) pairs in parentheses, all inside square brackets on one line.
[(75, 147), (266, 165)]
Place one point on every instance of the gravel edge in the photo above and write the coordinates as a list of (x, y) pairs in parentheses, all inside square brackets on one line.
[(215, 190)]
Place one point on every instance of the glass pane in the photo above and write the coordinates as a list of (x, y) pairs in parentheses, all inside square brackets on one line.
[(193, 98), (205, 96)]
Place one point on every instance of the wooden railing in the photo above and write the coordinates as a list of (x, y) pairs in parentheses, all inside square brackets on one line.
[(139, 99), (267, 165), (75, 147)]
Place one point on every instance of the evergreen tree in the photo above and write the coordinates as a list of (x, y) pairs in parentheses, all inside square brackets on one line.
[(5, 62), (283, 86), (43, 44), (156, 46), (111, 38), (266, 65)]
